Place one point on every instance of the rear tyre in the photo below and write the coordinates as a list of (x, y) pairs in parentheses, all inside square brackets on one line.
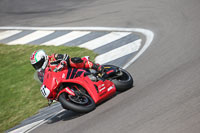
[(124, 81), (81, 104)]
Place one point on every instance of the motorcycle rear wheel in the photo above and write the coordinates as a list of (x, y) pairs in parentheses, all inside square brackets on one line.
[(124, 81), (79, 104)]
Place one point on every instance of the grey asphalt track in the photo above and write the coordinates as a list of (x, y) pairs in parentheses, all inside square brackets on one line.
[(166, 96)]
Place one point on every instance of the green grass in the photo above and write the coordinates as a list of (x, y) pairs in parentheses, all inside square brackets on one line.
[(20, 97)]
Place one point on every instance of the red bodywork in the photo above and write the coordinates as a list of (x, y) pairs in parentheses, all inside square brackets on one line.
[(99, 91)]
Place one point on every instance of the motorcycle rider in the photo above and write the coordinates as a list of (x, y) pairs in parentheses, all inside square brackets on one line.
[(40, 60)]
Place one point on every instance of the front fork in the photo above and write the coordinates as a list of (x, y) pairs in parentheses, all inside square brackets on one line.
[(65, 90), (50, 102)]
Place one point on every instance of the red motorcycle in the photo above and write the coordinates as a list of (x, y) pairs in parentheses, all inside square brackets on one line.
[(80, 90)]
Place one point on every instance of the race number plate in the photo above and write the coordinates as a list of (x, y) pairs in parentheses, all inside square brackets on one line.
[(45, 91)]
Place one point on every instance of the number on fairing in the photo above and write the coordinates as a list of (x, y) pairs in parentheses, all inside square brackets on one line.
[(45, 91)]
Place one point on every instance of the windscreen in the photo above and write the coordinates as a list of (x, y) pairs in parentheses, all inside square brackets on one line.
[(39, 76)]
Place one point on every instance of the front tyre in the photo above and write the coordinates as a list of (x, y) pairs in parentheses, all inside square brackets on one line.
[(80, 104)]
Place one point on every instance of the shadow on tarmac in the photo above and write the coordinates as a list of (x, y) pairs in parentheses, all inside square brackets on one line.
[(64, 116), (69, 115)]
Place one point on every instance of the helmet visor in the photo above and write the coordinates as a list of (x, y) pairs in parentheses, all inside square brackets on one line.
[(39, 64)]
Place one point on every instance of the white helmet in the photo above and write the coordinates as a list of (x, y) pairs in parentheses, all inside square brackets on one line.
[(39, 60)]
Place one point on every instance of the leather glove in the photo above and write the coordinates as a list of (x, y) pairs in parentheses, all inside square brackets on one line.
[(62, 64)]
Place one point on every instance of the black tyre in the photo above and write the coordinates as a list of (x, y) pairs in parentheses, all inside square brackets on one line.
[(80, 104), (124, 81)]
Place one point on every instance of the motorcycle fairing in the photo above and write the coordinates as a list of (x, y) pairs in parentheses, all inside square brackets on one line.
[(99, 91)]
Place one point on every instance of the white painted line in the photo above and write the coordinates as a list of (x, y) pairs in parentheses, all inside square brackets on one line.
[(149, 38), (31, 37), (9, 33), (29, 127), (116, 29), (44, 121), (66, 38), (119, 52), (24, 128), (101, 41)]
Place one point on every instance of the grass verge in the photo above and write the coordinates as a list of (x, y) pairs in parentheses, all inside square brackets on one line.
[(20, 97)]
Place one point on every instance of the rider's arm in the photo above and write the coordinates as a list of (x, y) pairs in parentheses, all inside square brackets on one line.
[(62, 60)]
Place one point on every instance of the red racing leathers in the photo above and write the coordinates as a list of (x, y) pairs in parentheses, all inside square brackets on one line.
[(63, 60)]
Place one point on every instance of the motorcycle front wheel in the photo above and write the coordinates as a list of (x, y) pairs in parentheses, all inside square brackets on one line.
[(81, 103)]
